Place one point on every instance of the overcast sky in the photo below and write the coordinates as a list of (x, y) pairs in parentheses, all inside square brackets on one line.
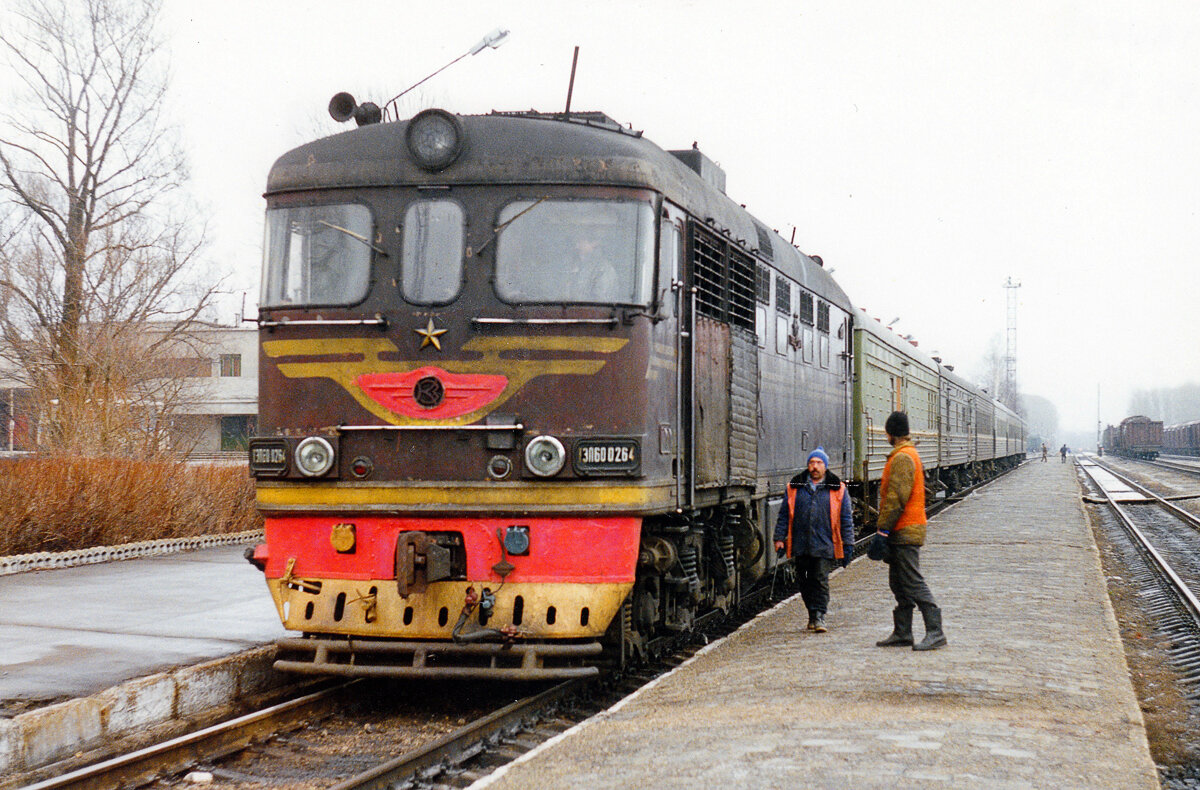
[(928, 151)]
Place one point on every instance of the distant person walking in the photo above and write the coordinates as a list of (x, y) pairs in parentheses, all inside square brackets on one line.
[(899, 537), (1063, 452), (1044, 451), (819, 521)]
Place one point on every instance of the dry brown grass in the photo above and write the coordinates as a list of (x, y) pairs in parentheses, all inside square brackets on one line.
[(59, 504)]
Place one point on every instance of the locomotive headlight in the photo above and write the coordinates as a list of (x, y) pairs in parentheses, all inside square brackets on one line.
[(314, 456), (545, 456), (434, 139)]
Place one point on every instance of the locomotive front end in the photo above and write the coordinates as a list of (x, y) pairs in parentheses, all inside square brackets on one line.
[(460, 413)]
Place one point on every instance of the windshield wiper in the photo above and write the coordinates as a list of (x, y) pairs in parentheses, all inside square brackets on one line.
[(496, 230), (352, 235)]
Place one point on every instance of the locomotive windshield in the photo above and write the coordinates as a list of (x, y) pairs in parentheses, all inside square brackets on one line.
[(317, 255), (433, 251), (575, 251)]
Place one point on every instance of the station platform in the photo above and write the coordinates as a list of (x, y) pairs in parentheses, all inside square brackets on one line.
[(76, 631), (97, 652), (1032, 690)]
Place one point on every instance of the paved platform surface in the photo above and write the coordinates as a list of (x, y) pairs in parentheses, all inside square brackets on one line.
[(1032, 691), (76, 631)]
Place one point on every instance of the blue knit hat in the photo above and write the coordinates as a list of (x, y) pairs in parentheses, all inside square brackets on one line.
[(819, 453)]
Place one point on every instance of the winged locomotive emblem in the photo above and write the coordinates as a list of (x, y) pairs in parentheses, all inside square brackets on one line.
[(455, 392)]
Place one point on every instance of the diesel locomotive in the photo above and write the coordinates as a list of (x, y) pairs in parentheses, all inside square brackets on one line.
[(532, 388)]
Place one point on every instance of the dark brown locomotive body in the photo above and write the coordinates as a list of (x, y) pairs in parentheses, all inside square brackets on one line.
[(434, 336)]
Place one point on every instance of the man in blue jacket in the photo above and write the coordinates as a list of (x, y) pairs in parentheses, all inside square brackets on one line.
[(816, 527)]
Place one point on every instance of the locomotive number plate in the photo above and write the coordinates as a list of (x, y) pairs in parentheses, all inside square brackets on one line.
[(268, 456), (607, 456)]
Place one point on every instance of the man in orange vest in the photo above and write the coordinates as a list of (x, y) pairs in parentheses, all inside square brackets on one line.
[(818, 531), (900, 533)]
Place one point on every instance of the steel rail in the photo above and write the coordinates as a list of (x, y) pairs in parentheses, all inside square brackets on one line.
[(457, 746), (138, 767), (1178, 466), (1178, 511), (1181, 589)]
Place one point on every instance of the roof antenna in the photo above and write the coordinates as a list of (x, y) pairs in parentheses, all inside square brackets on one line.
[(571, 86)]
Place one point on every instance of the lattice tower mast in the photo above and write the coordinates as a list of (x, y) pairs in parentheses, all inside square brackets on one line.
[(1010, 356)]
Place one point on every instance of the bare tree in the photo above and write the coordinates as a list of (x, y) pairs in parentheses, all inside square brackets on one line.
[(95, 258)]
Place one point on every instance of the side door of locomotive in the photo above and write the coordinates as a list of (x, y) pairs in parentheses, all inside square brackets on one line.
[(676, 305)]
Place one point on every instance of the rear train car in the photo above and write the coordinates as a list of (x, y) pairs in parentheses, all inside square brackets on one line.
[(1135, 437), (962, 435), (1182, 439)]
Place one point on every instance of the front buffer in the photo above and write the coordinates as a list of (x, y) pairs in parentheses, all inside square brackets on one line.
[(522, 599)]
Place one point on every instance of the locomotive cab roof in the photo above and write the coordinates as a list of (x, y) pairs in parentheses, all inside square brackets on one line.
[(533, 148)]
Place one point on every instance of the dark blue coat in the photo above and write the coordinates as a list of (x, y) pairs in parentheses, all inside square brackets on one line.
[(812, 532)]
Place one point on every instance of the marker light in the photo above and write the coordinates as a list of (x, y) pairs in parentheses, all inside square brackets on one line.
[(516, 540), (545, 456), (314, 456)]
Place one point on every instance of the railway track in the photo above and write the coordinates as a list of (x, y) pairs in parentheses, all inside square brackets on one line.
[(1177, 464), (273, 747), (1167, 538)]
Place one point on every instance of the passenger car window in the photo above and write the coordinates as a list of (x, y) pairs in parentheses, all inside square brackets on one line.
[(431, 262), (317, 255), (575, 251)]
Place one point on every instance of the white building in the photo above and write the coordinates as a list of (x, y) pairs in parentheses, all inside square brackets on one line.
[(223, 413), (217, 416)]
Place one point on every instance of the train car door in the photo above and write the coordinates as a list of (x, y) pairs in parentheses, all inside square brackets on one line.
[(671, 276)]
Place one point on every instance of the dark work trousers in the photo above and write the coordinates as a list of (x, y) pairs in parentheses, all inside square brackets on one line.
[(814, 583), (905, 579)]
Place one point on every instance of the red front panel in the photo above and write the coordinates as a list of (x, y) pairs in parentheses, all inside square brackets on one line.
[(587, 550)]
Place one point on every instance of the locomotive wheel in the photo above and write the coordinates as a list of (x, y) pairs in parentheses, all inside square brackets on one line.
[(750, 549)]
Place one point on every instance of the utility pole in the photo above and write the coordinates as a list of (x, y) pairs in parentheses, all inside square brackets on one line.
[(1010, 356)]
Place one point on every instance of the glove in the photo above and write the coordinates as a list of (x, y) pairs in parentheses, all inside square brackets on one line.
[(879, 546), (847, 560)]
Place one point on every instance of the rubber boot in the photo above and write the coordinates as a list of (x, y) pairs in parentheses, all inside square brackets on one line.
[(934, 638), (902, 634)]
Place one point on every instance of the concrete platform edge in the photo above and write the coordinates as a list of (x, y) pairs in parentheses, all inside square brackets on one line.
[(1133, 710), (40, 737)]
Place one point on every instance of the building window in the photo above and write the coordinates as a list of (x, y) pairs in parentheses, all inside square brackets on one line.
[(231, 364), (236, 432)]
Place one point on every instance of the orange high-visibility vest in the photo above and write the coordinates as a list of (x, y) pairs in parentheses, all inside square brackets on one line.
[(914, 509), (835, 517)]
